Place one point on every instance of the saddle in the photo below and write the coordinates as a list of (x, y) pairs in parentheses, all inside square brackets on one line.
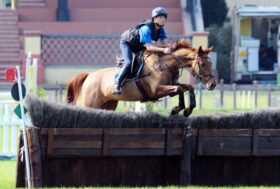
[(135, 74), (136, 66)]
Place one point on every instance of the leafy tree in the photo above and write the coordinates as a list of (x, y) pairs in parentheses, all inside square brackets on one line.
[(220, 39), (214, 12)]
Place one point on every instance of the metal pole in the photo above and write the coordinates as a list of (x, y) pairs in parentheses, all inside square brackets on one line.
[(222, 93), (200, 95), (35, 69), (234, 95), (27, 73), (256, 93), (269, 95), (23, 128)]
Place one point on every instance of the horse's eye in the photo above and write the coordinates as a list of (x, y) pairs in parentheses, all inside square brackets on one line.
[(202, 64)]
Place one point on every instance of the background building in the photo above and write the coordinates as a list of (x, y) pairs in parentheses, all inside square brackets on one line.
[(70, 36)]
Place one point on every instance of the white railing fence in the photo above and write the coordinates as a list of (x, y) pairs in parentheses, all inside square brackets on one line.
[(9, 126)]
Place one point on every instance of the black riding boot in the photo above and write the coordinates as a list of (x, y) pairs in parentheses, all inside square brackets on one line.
[(118, 89)]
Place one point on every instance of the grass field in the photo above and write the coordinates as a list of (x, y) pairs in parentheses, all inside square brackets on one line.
[(7, 174)]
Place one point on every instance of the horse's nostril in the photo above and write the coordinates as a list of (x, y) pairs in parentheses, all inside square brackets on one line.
[(212, 86)]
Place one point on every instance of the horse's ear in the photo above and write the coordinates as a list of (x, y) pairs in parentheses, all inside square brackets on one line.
[(200, 51), (208, 50)]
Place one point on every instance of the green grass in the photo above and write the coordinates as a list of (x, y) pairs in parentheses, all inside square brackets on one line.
[(7, 174)]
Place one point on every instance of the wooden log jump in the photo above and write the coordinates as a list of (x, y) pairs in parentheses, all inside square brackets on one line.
[(109, 157), (73, 147)]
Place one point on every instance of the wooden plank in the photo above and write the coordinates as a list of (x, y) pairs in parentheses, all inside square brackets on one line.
[(50, 142), (269, 142), (44, 131), (77, 131), (269, 132), (43, 141), (77, 144), (185, 172), (225, 132), (235, 146), (136, 144), (105, 145), (136, 152), (168, 140), (113, 152), (200, 142), (35, 157), (147, 137), (135, 131), (255, 142), (78, 137), (224, 146), (76, 152), (176, 144)]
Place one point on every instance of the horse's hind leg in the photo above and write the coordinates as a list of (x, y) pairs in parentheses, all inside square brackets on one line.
[(110, 105)]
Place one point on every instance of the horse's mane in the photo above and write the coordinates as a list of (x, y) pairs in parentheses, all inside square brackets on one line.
[(182, 43)]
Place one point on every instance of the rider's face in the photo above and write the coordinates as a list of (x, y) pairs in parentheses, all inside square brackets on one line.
[(160, 20)]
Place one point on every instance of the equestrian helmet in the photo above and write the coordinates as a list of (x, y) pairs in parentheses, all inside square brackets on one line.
[(158, 11)]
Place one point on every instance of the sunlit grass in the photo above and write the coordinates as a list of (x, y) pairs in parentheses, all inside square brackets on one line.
[(7, 174)]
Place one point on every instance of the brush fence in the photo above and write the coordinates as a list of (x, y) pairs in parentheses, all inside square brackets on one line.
[(238, 149)]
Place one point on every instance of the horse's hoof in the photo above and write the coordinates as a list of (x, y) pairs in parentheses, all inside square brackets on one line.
[(186, 112), (175, 111)]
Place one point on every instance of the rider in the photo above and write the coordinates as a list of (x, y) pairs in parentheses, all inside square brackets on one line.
[(143, 36)]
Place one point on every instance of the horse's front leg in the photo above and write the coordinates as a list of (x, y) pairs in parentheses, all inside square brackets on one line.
[(181, 105), (172, 90), (165, 90)]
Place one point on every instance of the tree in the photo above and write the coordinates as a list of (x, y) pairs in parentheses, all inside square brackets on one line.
[(214, 12), (220, 39)]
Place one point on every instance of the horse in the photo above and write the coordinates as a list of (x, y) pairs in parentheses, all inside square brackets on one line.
[(158, 78)]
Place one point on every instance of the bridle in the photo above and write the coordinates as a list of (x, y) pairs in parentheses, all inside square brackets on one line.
[(197, 59)]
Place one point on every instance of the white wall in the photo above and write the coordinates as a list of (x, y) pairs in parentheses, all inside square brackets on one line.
[(237, 3)]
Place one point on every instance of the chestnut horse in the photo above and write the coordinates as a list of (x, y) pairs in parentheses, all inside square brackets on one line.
[(159, 78)]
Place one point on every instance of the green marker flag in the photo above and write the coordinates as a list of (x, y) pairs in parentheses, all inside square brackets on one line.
[(17, 111)]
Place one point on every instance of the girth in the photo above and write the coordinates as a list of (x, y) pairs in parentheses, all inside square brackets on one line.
[(144, 93)]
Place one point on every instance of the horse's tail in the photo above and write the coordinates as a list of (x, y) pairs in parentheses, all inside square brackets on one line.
[(73, 88)]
